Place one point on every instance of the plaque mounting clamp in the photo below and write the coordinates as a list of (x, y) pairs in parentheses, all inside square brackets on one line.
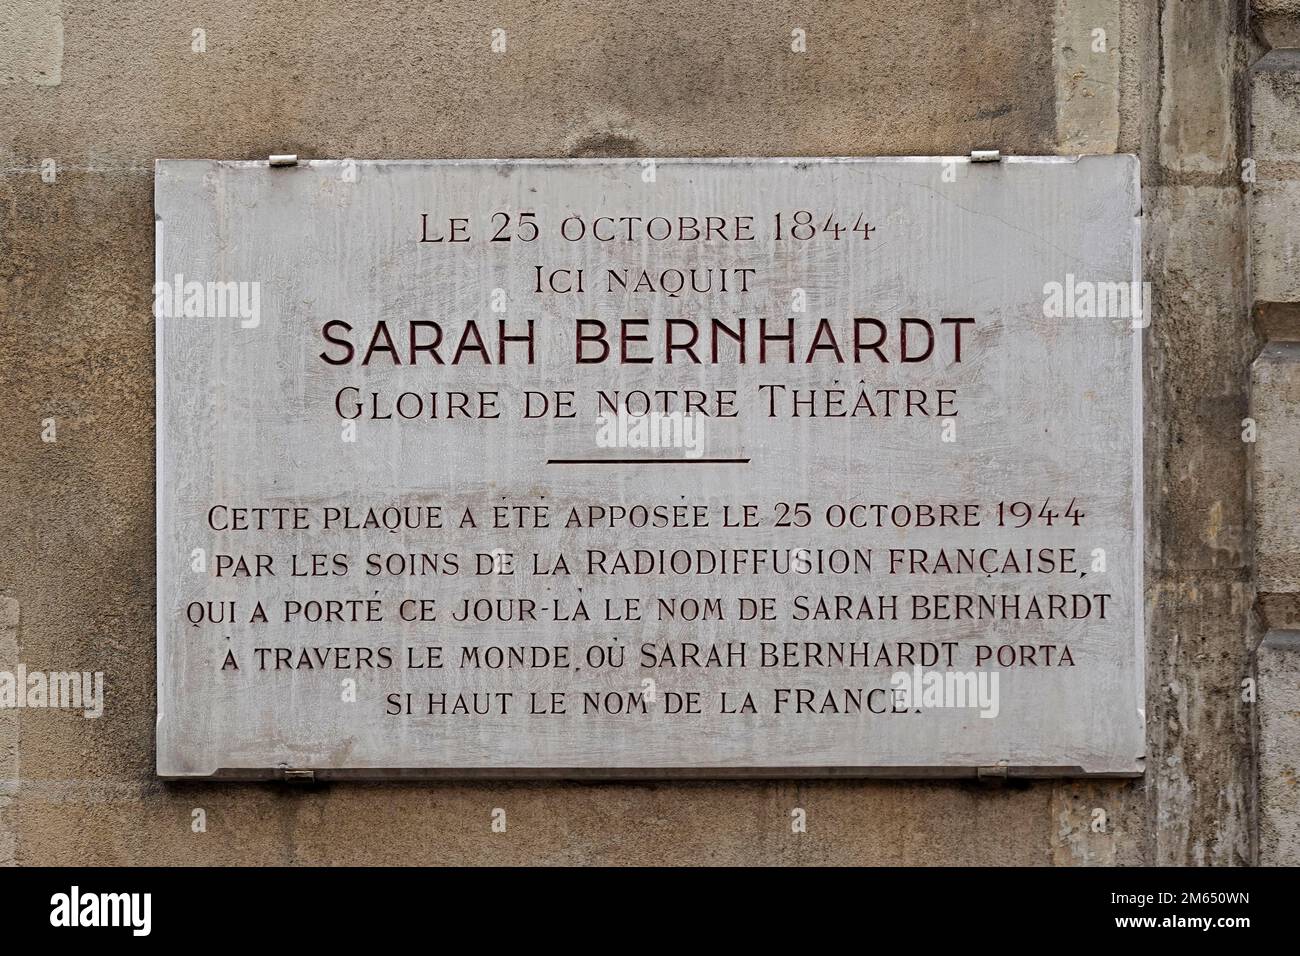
[(985, 156)]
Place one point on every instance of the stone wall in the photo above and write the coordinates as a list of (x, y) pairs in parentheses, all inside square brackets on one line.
[(91, 96), (1274, 204)]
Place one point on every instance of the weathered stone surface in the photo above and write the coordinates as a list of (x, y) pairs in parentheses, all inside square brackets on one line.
[(1086, 56), (1199, 56), (1275, 195), (1277, 22), (1199, 357), (1199, 593), (1275, 113), (586, 77), (1090, 825), (31, 42), (1201, 652), (1275, 255), (9, 764), (1275, 408), (1277, 321), (1275, 412)]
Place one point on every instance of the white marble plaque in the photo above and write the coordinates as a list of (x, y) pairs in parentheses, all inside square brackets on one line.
[(631, 468)]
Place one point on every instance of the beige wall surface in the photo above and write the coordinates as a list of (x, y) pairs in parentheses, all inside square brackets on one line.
[(99, 91)]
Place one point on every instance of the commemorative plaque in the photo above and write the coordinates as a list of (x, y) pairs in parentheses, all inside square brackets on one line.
[(649, 468)]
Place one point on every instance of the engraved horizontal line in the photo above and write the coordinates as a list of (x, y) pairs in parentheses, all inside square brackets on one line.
[(647, 461)]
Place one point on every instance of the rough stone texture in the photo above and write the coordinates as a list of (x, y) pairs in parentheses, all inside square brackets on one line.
[(1277, 22), (1199, 794), (9, 767), (1275, 407), (1200, 61), (590, 78), (1279, 748), (31, 42), (1275, 8), (1275, 110), (1086, 56), (579, 77), (1089, 831), (1275, 251), (1275, 196), (1198, 375), (1199, 735)]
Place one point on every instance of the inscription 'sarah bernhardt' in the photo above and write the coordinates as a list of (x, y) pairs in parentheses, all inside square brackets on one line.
[(639, 341)]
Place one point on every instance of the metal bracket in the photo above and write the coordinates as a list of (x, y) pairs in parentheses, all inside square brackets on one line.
[(283, 159), (985, 156), (297, 776), (991, 773)]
